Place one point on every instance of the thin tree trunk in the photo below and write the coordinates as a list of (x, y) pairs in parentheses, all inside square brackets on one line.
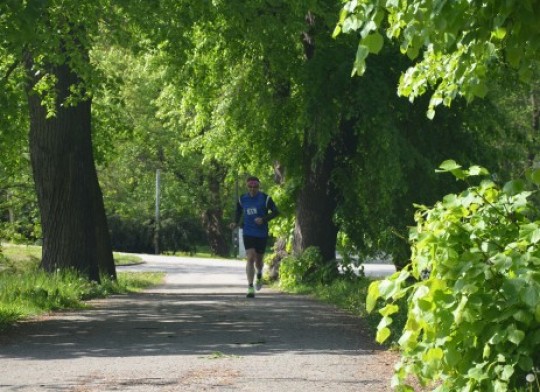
[(534, 97), (75, 232), (535, 104), (212, 219)]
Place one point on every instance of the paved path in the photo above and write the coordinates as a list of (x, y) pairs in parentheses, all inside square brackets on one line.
[(197, 332)]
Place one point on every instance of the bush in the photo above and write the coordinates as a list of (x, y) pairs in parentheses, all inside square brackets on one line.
[(473, 321), (308, 268)]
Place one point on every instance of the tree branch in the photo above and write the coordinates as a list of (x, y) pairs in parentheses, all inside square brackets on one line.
[(10, 71)]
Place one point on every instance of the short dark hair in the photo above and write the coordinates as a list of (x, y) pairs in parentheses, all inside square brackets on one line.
[(252, 178)]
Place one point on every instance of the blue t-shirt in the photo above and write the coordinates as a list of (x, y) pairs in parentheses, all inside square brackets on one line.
[(258, 206)]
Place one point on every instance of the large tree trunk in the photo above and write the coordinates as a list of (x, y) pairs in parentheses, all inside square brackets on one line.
[(212, 218), (316, 203), (75, 232), (315, 207)]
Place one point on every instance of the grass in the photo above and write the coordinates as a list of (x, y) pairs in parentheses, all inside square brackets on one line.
[(126, 259), (22, 255), (350, 295), (26, 290)]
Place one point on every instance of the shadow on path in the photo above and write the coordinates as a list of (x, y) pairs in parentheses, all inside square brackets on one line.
[(200, 324)]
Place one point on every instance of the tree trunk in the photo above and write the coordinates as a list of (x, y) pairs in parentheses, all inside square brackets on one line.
[(213, 215), (316, 203), (75, 232), (534, 97), (212, 219), (315, 207)]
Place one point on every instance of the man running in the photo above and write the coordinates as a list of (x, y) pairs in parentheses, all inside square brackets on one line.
[(257, 208)]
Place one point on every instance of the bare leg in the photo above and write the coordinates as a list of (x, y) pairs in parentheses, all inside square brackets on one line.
[(250, 265), (259, 263)]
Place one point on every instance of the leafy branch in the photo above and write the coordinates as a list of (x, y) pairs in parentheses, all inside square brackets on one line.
[(463, 296)]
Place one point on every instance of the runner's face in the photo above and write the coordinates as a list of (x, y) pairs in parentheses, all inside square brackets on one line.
[(253, 189)]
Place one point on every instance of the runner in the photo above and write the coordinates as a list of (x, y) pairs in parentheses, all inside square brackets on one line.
[(257, 209)]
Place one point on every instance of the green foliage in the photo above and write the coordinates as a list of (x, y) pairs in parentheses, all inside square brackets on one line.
[(459, 42), (25, 290), (34, 292), (472, 288), (37, 291), (308, 268), (126, 259)]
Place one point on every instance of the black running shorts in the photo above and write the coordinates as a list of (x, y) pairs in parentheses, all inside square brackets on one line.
[(259, 244)]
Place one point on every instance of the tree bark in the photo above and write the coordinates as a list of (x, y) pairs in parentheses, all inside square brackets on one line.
[(75, 232), (317, 201), (535, 105), (315, 207), (212, 219), (213, 215)]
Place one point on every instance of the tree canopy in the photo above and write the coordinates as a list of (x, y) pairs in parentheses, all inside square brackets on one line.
[(456, 44), (213, 90)]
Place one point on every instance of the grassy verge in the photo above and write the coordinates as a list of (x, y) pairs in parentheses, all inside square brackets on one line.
[(350, 295), (19, 256), (126, 259), (27, 291)]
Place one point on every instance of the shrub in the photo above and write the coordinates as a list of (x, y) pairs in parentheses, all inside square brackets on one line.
[(307, 268), (473, 321)]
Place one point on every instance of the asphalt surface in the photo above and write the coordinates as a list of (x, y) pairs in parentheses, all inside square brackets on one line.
[(197, 332)]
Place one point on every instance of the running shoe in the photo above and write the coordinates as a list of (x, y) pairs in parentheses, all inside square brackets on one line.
[(250, 293), (259, 284)]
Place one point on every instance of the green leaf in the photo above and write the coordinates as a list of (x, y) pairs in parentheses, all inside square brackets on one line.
[(452, 167), (530, 296), (385, 322), (507, 372), (514, 187), (453, 356), (448, 165), (530, 232), (522, 316), (425, 305), (389, 310), (525, 363), (480, 90), (499, 33), (435, 353), (374, 42), (535, 176), (372, 296), (382, 335), (360, 61), (515, 336), (477, 373), (478, 171), (487, 351), (387, 288)]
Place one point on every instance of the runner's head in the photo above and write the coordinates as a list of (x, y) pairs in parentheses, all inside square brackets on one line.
[(253, 185)]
